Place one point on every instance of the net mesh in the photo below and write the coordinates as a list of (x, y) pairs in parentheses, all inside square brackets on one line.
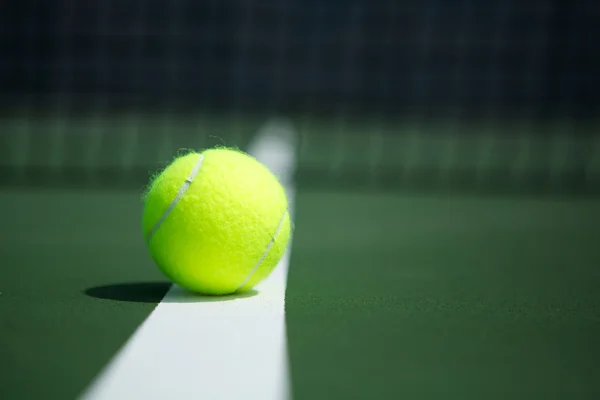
[(468, 94)]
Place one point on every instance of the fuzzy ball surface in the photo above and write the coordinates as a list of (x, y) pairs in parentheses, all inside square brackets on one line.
[(216, 222)]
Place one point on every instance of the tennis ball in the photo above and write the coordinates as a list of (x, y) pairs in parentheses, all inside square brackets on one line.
[(216, 222)]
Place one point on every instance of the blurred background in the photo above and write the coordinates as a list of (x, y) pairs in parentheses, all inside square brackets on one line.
[(498, 95)]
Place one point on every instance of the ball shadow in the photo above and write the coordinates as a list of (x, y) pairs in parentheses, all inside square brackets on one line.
[(136, 292), (154, 292)]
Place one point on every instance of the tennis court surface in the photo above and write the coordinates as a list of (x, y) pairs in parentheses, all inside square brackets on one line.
[(389, 292)]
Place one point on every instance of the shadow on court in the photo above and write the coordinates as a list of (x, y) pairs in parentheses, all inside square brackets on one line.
[(154, 292)]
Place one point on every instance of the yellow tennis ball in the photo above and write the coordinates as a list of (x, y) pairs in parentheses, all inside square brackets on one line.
[(216, 222)]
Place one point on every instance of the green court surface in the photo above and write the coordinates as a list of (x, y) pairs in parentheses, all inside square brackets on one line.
[(430, 259), (389, 295), (63, 251), (394, 296)]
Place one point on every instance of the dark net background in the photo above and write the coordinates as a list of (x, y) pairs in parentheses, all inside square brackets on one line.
[(499, 95)]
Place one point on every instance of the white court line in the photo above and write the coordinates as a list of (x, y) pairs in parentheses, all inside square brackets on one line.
[(219, 348)]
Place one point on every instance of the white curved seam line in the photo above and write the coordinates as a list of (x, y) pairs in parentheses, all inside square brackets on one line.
[(262, 258), (184, 187)]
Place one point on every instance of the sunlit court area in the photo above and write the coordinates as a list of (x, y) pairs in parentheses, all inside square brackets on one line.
[(289, 200)]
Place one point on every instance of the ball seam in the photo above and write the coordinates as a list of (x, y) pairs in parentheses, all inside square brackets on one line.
[(265, 254), (180, 193)]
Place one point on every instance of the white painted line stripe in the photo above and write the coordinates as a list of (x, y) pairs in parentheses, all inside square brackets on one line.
[(216, 347)]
